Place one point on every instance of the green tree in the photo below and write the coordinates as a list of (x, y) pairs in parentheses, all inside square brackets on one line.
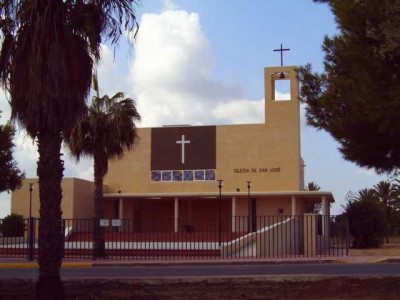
[(47, 53), (357, 98), (367, 218), (105, 132), (312, 207), (10, 176), (13, 225)]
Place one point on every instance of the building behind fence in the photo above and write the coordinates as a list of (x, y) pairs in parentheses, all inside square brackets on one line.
[(274, 237)]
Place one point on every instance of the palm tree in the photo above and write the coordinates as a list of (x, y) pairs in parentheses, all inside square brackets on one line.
[(366, 195), (396, 201), (386, 192), (388, 195), (48, 48), (312, 186), (312, 207), (106, 130)]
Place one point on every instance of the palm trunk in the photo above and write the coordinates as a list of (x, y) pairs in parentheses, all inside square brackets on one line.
[(99, 237), (50, 171)]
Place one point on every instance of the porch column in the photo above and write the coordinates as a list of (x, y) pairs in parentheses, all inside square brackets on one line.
[(325, 215), (120, 213), (293, 205), (176, 214), (233, 214), (120, 208)]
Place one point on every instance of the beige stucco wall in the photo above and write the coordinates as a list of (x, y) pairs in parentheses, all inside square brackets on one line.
[(243, 152), (77, 201), (83, 190)]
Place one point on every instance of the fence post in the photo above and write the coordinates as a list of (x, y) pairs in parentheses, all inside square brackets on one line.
[(31, 239), (63, 238), (347, 237), (95, 233)]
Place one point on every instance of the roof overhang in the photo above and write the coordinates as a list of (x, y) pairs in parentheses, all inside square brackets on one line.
[(304, 195)]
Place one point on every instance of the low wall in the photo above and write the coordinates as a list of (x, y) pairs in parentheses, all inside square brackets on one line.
[(277, 240), (12, 240)]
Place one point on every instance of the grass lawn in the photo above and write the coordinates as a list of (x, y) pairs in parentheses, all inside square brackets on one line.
[(391, 249)]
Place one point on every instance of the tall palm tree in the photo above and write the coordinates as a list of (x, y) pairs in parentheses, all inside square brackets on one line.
[(386, 192), (366, 195), (106, 131), (48, 48), (388, 195)]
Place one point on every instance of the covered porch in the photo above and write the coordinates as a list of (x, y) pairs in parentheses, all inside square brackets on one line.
[(208, 212)]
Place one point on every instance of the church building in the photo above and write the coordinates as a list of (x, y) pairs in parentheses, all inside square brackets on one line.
[(179, 176)]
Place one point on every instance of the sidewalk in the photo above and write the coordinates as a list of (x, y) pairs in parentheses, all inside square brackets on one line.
[(87, 263)]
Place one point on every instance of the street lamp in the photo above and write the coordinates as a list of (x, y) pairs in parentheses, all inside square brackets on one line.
[(30, 199), (248, 206), (220, 184), (30, 252)]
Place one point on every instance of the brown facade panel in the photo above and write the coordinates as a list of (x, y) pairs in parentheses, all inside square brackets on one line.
[(183, 148)]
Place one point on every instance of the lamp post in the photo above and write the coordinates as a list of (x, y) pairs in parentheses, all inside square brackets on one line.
[(30, 252), (220, 184), (248, 206), (30, 199)]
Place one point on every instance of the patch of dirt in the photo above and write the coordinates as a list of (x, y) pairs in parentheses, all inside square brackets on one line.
[(344, 288)]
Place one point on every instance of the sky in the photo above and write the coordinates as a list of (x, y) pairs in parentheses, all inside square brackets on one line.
[(201, 62)]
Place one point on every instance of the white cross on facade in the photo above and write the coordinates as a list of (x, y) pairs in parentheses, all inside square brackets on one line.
[(183, 142)]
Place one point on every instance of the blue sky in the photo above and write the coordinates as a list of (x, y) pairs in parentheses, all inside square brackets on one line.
[(201, 62)]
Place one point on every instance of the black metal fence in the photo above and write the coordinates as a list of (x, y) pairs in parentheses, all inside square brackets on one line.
[(393, 235), (271, 237)]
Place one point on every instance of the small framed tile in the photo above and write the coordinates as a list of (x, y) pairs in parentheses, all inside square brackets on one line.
[(210, 174), (188, 175), (199, 175), (155, 175), (166, 176), (177, 175)]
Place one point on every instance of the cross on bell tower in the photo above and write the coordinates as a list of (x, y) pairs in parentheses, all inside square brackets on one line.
[(281, 51)]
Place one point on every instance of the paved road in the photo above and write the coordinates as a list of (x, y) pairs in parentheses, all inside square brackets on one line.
[(148, 272)]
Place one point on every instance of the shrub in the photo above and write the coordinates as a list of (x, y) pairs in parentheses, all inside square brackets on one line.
[(13, 226), (367, 222)]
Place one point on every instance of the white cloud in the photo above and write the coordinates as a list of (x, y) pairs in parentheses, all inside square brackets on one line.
[(111, 79), (5, 107), (241, 111), (169, 5), (172, 72), (281, 96), (172, 76)]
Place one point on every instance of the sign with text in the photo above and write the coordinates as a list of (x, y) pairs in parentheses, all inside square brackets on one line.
[(257, 170), (116, 222), (104, 222)]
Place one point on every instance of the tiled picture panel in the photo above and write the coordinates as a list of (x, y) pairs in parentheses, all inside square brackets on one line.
[(183, 175)]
